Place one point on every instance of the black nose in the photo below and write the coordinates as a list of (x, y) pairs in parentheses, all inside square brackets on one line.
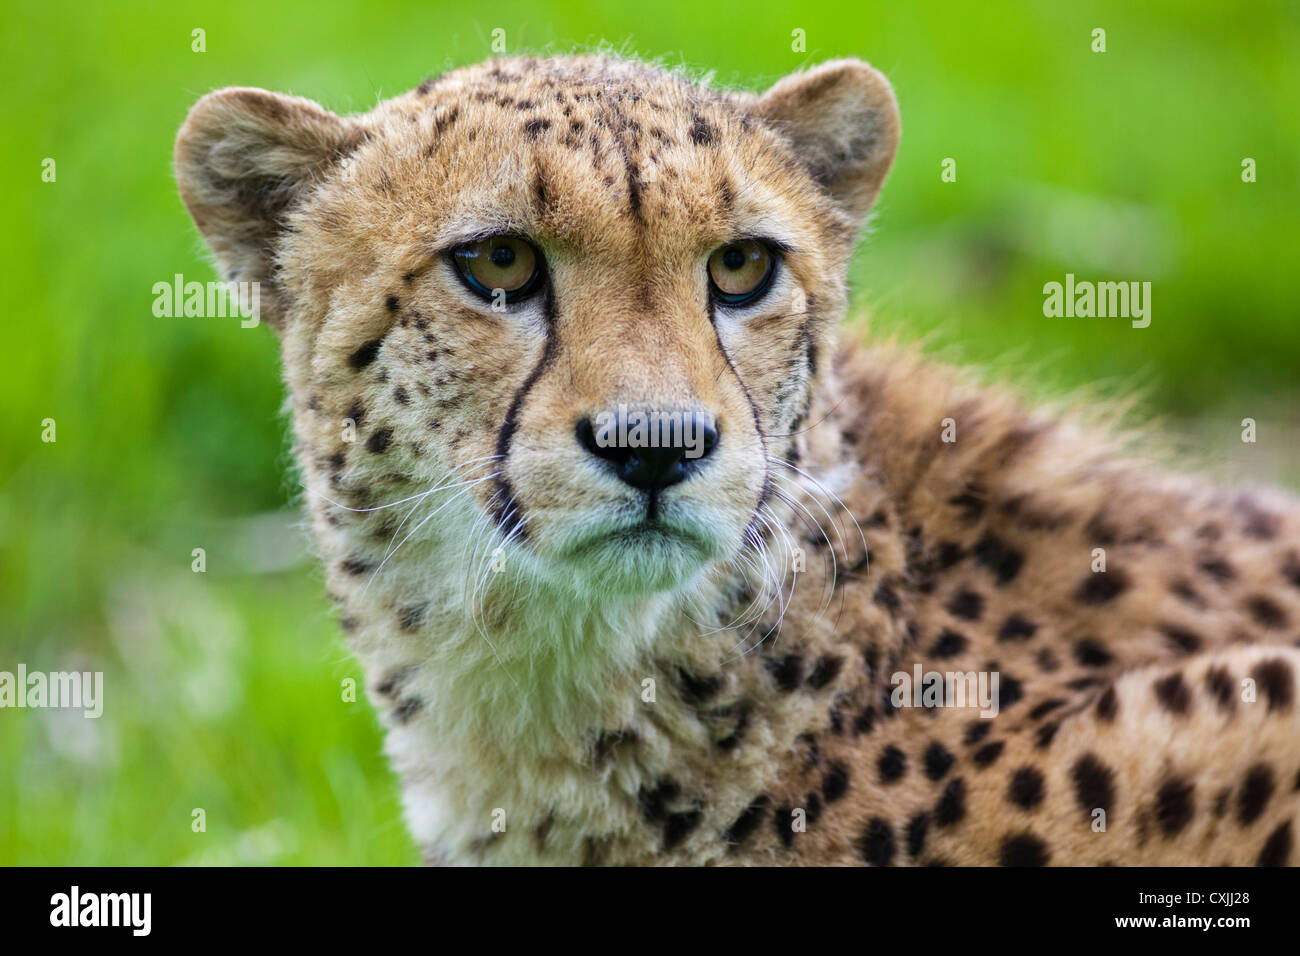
[(647, 449)]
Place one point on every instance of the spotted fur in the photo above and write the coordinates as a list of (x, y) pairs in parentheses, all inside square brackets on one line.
[(559, 690)]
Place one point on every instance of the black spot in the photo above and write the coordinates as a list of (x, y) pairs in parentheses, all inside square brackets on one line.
[(1174, 805), (877, 843), (967, 605), (813, 807), (1277, 848), (1101, 587), (835, 716), (1009, 691), (917, 829), (989, 753), (1046, 707), (354, 566), (732, 740), (1260, 525), (977, 731), (678, 826), (535, 127), (393, 681), (1187, 594), (654, 802), (836, 782), (1091, 654), (786, 671), (407, 709), (1217, 568), (410, 618), (1182, 640), (1017, 627), (995, 554), (892, 764), (357, 413), (971, 503), (1094, 784), (812, 752), (1047, 660), (1046, 734), (1026, 788), (1100, 530), (391, 303), (1266, 612), (887, 597), (783, 822), (938, 760), (948, 554), (865, 721), (1172, 693), (949, 644), (1291, 568), (607, 743), (1024, 849), (379, 440), (695, 689), (701, 132), (1108, 704), (1219, 684), (747, 822), (825, 671), (1255, 792), (366, 354), (1274, 677), (887, 708), (400, 396), (951, 807)]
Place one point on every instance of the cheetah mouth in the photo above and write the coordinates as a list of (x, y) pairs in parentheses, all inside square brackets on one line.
[(647, 535), (645, 556)]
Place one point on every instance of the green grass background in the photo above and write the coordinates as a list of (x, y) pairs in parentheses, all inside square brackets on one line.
[(223, 688)]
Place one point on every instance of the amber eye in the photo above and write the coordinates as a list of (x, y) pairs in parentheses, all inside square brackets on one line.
[(740, 272), (500, 265)]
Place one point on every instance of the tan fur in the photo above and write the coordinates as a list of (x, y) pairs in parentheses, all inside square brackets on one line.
[(540, 673)]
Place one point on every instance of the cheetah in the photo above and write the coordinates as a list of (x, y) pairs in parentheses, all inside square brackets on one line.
[(590, 649)]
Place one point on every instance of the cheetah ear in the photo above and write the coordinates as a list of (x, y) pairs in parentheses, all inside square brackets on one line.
[(842, 120), (244, 157)]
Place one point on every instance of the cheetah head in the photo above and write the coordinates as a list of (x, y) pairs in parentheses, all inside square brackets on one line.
[(594, 296)]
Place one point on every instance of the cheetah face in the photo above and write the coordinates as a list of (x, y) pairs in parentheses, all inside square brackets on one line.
[(593, 294)]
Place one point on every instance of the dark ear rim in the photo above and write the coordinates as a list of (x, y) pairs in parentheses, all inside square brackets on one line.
[(842, 119), (243, 158)]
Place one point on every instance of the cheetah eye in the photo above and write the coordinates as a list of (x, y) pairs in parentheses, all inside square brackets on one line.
[(504, 263), (740, 272)]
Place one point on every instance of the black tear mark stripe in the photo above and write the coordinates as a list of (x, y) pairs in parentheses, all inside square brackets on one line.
[(753, 406), (508, 506)]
